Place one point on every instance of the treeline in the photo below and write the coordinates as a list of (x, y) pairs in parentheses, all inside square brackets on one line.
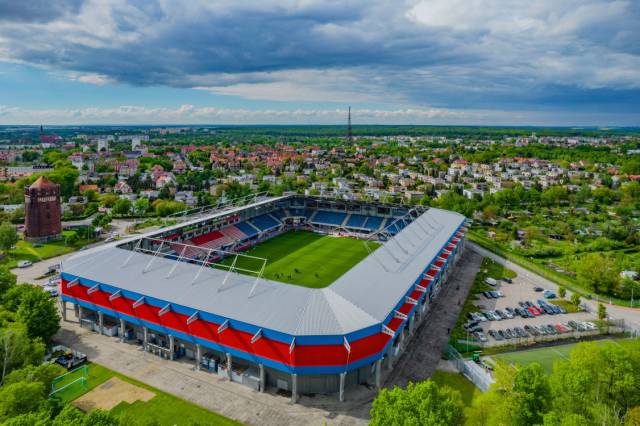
[(599, 384)]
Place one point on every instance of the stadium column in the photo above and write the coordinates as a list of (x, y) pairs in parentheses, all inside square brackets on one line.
[(379, 374), (122, 329), (198, 356), (294, 388), (263, 378), (172, 346), (229, 365), (63, 309), (145, 339), (76, 310), (80, 314), (343, 377), (411, 323), (101, 322)]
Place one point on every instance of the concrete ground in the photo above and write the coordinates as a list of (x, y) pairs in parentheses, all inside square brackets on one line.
[(239, 402)]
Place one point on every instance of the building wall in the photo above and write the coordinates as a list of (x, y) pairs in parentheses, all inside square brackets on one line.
[(42, 213)]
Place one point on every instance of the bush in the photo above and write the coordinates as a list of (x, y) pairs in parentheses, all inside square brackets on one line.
[(575, 299), (562, 292)]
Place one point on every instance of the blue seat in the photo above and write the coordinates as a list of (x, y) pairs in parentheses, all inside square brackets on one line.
[(329, 218), (249, 230), (373, 223), (356, 221), (265, 222)]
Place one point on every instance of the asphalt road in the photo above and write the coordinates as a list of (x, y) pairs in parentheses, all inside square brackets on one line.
[(630, 316)]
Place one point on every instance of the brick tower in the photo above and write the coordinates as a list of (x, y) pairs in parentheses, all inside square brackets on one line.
[(42, 211)]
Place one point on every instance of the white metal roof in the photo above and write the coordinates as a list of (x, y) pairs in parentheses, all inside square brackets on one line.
[(360, 298)]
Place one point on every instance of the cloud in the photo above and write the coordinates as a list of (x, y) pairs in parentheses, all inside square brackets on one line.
[(189, 114), (37, 10), (452, 54)]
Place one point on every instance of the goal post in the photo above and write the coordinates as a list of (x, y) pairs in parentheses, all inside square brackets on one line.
[(71, 382)]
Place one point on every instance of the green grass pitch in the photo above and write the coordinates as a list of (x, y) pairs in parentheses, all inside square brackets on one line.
[(305, 258), (546, 357)]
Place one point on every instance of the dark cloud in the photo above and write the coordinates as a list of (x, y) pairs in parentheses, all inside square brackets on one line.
[(497, 54), (37, 10)]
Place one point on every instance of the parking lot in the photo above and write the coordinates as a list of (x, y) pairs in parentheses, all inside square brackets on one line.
[(518, 299)]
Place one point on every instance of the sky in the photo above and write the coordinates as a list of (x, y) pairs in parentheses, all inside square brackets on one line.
[(480, 62)]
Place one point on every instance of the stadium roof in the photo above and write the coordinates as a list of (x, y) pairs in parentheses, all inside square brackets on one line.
[(362, 297)]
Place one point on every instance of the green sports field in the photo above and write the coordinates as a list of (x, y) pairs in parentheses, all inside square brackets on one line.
[(546, 356), (305, 258)]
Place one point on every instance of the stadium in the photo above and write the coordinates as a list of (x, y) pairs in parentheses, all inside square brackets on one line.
[(298, 294)]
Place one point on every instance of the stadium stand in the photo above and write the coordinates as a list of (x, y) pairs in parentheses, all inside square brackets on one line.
[(190, 252), (265, 222), (247, 229), (203, 239), (297, 212), (234, 233), (373, 223), (279, 214), (356, 221), (324, 217)]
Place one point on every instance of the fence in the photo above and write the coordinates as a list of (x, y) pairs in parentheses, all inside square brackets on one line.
[(477, 374)]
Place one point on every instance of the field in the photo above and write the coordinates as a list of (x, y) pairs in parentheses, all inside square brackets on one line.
[(149, 405), (305, 258), (545, 356)]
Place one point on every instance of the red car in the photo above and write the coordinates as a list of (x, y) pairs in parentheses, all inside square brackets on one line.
[(561, 328), (533, 310)]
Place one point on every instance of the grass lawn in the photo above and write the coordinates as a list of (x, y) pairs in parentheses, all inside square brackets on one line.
[(163, 408), (457, 381), (25, 250), (547, 356), (305, 258)]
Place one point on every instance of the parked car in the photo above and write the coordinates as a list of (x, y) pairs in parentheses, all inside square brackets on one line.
[(500, 314), (507, 314), (501, 334), (533, 311), (549, 294), (499, 293), (541, 329), (590, 325), (480, 335), (24, 263), (493, 334), (508, 280), (531, 330), (491, 281), (551, 329), (508, 333), (538, 289)]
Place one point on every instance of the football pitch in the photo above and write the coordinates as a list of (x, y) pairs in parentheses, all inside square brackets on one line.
[(305, 258), (546, 357)]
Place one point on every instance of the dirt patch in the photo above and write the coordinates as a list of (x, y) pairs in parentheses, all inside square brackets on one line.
[(111, 393)]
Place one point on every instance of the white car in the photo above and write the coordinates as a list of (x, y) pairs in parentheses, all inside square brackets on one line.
[(24, 263)]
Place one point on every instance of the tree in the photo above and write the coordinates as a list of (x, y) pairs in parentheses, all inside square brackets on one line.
[(69, 416), (141, 206), (597, 273), (122, 206), (575, 299), (20, 398), (17, 350), (532, 395), (424, 403), (602, 311), (44, 373), (7, 280), (8, 236), (71, 239), (37, 311), (562, 292)]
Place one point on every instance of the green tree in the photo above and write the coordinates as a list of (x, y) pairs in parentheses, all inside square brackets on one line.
[(122, 206), (597, 273), (8, 236), (69, 416), (602, 311), (7, 280), (37, 311), (141, 206), (532, 395), (44, 373), (17, 350), (575, 299), (20, 398), (424, 403), (562, 292)]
